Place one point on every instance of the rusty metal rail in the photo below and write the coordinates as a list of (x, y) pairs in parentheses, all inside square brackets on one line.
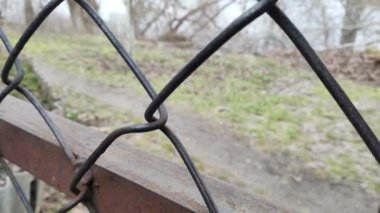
[(126, 179), (84, 168)]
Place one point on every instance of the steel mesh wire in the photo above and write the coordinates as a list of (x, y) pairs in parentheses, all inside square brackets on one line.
[(83, 178)]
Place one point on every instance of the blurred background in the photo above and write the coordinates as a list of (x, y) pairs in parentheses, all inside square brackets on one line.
[(254, 115)]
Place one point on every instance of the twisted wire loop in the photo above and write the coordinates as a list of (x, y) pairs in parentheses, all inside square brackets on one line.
[(14, 84), (328, 80), (81, 183), (305, 49)]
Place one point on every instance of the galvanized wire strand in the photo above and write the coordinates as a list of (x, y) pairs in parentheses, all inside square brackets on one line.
[(78, 199), (90, 161), (14, 85), (238, 24), (153, 125), (20, 45), (27, 94), (83, 173), (54, 129), (119, 48), (328, 80), (212, 207), (125, 56), (16, 186), (28, 33)]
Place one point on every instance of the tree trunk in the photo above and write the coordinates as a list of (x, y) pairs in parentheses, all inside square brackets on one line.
[(351, 21), (79, 18), (129, 26), (75, 15), (28, 10), (88, 23)]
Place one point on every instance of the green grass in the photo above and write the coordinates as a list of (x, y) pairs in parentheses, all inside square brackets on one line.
[(89, 111), (342, 166), (32, 82), (283, 110), (92, 112)]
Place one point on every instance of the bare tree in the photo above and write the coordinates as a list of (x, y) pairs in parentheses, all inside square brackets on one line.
[(204, 14), (148, 14), (179, 20), (176, 20), (210, 18)]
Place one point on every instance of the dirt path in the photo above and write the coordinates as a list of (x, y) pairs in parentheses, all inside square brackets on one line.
[(280, 180)]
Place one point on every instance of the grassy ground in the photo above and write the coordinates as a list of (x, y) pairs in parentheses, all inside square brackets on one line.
[(94, 113), (284, 111), (31, 81)]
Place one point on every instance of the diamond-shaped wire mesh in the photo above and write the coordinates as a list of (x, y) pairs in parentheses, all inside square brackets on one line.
[(82, 180)]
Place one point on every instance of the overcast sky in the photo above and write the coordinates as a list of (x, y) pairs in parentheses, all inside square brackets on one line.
[(111, 6), (107, 7)]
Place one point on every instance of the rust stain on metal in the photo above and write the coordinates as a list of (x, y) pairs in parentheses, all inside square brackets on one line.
[(46, 161), (133, 182)]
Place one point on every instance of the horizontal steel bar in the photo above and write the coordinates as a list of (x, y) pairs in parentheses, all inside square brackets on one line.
[(127, 179)]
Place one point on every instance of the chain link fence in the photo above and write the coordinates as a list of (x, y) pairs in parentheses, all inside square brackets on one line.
[(82, 181)]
